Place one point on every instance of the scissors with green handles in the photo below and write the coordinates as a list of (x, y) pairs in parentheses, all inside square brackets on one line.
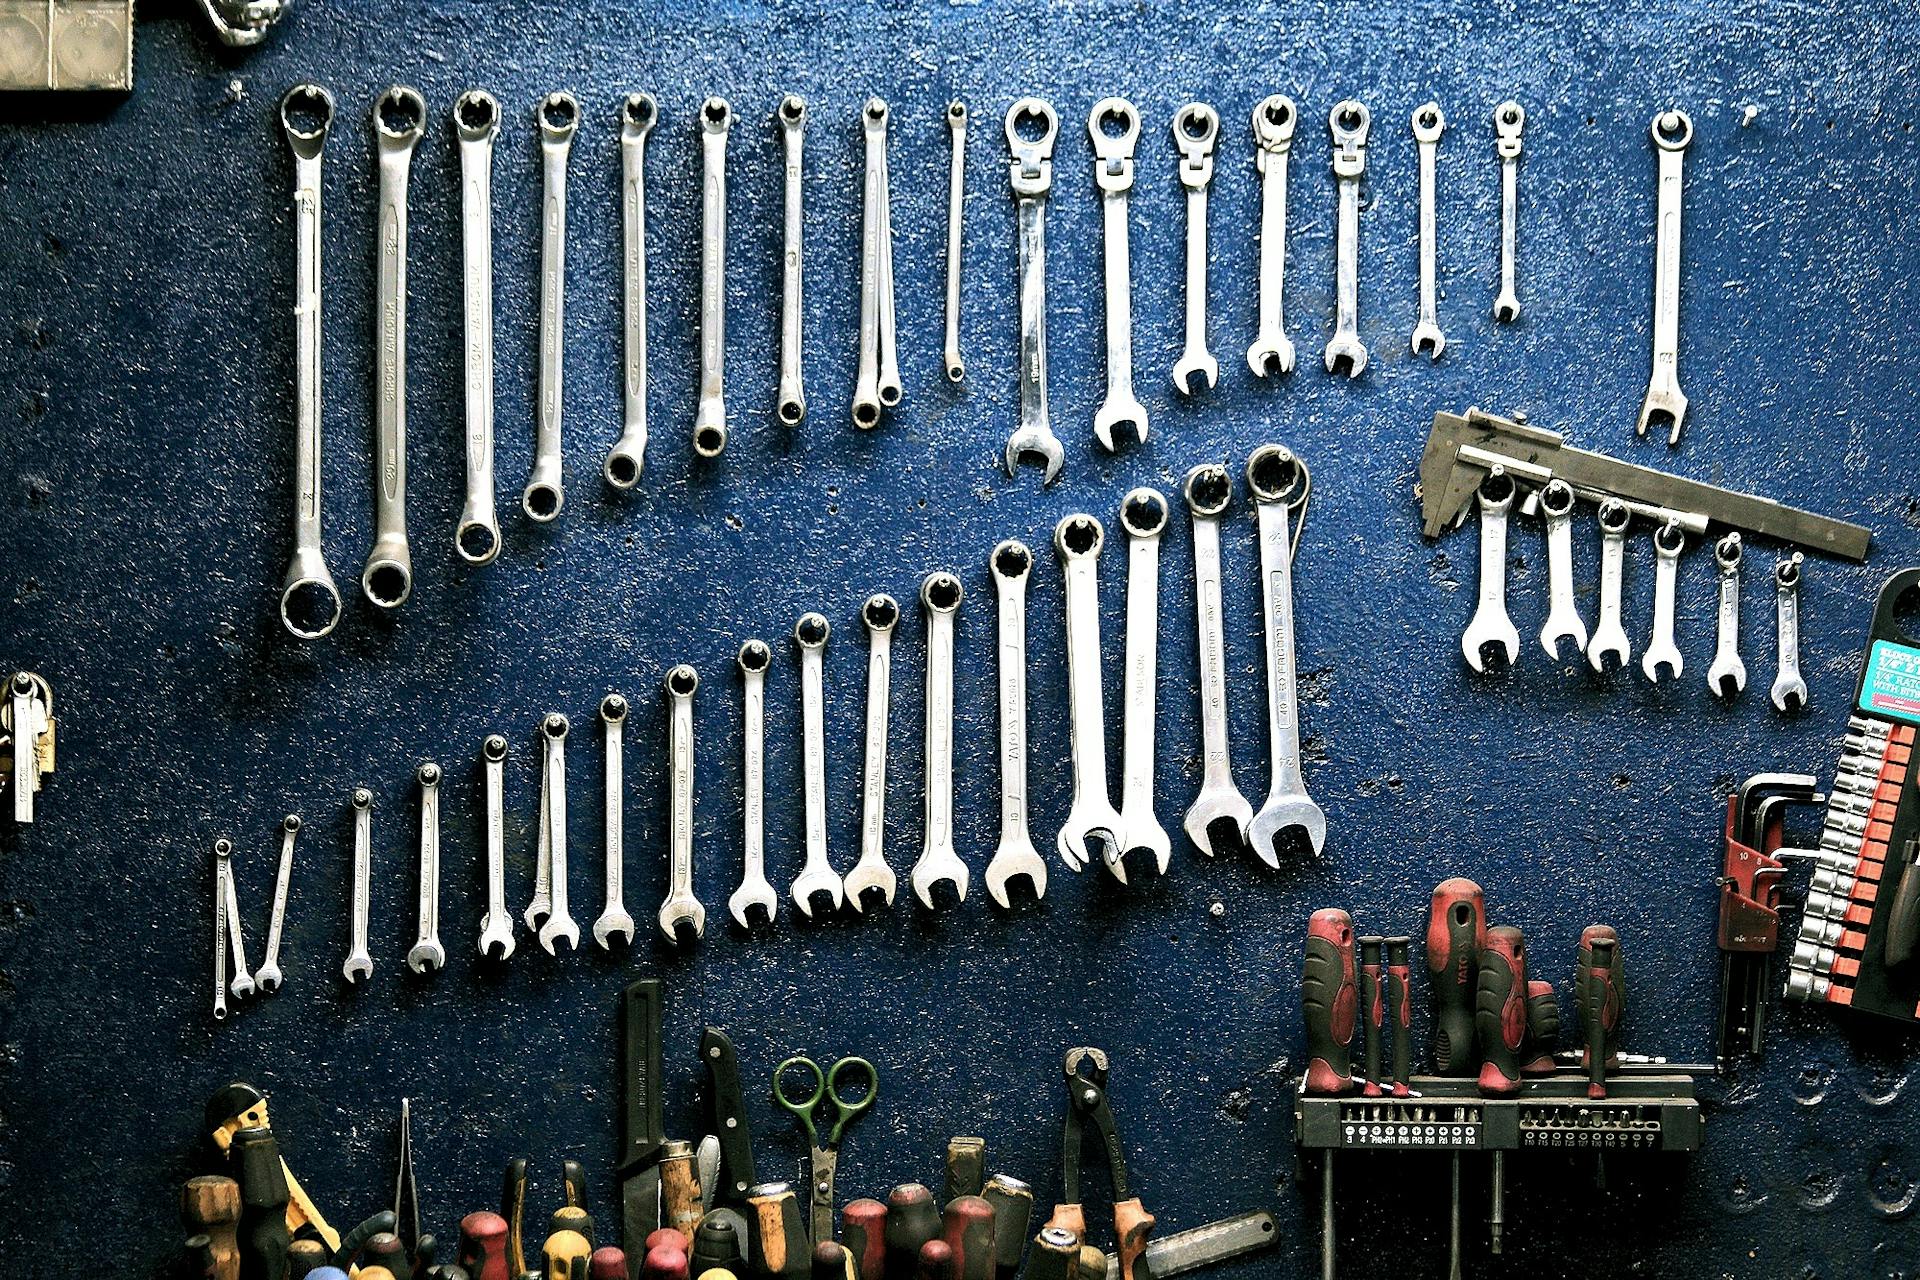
[(824, 1137)]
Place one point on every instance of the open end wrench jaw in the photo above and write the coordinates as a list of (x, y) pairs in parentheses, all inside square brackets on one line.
[(1217, 821), (1280, 815), (682, 920), (870, 878), (1015, 861), (818, 887), (1192, 364), (611, 925), (1038, 444), (935, 868), (753, 906), (1491, 627), (1428, 340), (557, 928), (1270, 354), (427, 957), (1089, 824), (1117, 411), (496, 938)]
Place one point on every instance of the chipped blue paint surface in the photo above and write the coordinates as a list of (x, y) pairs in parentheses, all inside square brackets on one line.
[(145, 371)]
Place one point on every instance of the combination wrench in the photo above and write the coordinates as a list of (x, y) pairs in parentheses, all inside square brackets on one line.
[(427, 954), (1281, 485), (1219, 816), (240, 984), (1196, 127), (1348, 123), (755, 901), (309, 600), (792, 398), (1609, 632), (558, 117), (1490, 624), (399, 118), (956, 194), (615, 920), (1143, 514), (628, 458), (267, 978), (1114, 127), (1728, 674), (938, 864), (871, 874), (476, 121), (1273, 124), (496, 926), (1563, 614), (552, 847), (1509, 120), (1789, 692), (359, 962), (817, 876), (878, 385), (222, 854), (710, 416), (1669, 540), (1030, 173), (1014, 857), (681, 912), (1077, 540), (1672, 131), (1428, 125)]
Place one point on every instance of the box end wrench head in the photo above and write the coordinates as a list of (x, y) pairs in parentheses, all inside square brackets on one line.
[(872, 874)]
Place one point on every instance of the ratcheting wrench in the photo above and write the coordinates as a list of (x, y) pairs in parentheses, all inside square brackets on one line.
[(1509, 119), (1672, 131), (476, 120), (558, 116), (1789, 692), (1428, 125), (1114, 126), (1491, 625), (1077, 540), (359, 963), (496, 927), (1219, 815), (710, 417), (1728, 674), (1609, 633), (1014, 857), (309, 601), (1273, 122), (755, 894), (1669, 540), (615, 920), (1031, 176), (399, 118), (817, 876), (1143, 514), (1196, 127), (552, 846), (241, 983), (628, 458), (792, 400), (681, 909), (266, 978), (956, 192), (1348, 122), (427, 953), (1563, 615), (881, 613), (1281, 485), (878, 386), (938, 863)]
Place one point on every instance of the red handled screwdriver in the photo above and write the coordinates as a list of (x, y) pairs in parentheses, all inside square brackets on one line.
[(1400, 1010), (1543, 1028), (1456, 931), (1601, 987), (1372, 1010), (1328, 998), (1500, 1010)]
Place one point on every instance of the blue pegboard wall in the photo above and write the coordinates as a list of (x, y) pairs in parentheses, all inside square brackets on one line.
[(146, 251)]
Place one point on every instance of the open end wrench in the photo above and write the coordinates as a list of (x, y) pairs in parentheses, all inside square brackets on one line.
[(628, 458), (309, 600), (222, 854), (817, 876), (956, 193), (267, 977), (1789, 692), (1114, 126), (399, 118), (1669, 540), (496, 927), (681, 914), (1031, 175), (558, 116), (476, 121), (241, 982), (1015, 857), (1077, 540), (938, 863), (1281, 486), (710, 417), (427, 954), (1509, 120), (754, 903), (359, 962), (553, 833), (1428, 125), (1672, 132), (879, 373), (792, 402), (871, 874), (1273, 123), (1728, 674), (1143, 514), (1217, 819), (1491, 625), (1610, 633), (1348, 123), (615, 920), (1563, 615), (1196, 127)]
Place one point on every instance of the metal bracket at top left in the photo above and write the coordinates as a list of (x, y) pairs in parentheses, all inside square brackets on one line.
[(27, 735)]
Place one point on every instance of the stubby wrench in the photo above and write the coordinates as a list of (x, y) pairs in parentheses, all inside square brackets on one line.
[(496, 927), (1114, 126), (1077, 540), (222, 853), (956, 194), (1196, 127), (1143, 514), (754, 902), (879, 372), (267, 977), (1218, 817), (628, 458), (1509, 120), (1728, 674), (1490, 624), (241, 982), (938, 863), (1014, 857), (1668, 542), (1789, 692), (558, 116), (792, 403), (615, 920), (817, 876), (1348, 124), (1031, 175), (476, 120), (1672, 131), (552, 845), (1428, 125), (309, 600), (399, 118), (1273, 123), (359, 962), (871, 874), (1563, 615), (1281, 486), (427, 953), (681, 910), (1610, 633), (710, 417)]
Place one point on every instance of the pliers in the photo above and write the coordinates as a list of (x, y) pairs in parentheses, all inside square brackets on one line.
[(1086, 1075)]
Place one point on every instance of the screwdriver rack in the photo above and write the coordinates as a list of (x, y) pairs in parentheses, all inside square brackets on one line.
[(1640, 1112)]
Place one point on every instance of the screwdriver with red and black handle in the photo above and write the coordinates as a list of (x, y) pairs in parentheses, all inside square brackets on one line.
[(1456, 931), (1373, 1011), (1400, 1013), (1600, 985), (1500, 1014), (1328, 999)]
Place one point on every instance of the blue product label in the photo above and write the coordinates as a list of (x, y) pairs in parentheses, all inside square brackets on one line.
[(1892, 684)]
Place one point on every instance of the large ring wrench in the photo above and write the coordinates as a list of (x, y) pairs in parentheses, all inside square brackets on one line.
[(1015, 856), (755, 893), (1563, 614), (399, 118), (615, 920), (1728, 674), (881, 613), (1077, 540), (552, 846), (558, 116), (427, 954), (1030, 173), (938, 863), (359, 963), (1428, 125), (1672, 131), (681, 909), (1143, 514), (817, 875), (792, 405), (1273, 124), (1491, 625), (1219, 815), (1113, 174), (1609, 632), (1509, 119), (1669, 540), (1348, 123), (1281, 486), (878, 385), (710, 417), (1196, 127), (496, 927), (476, 120), (627, 460), (267, 977)]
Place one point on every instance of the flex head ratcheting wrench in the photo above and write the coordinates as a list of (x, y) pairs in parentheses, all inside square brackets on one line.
[(1281, 486), (399, 118), (1509, 121), (1015, 857), (710, 417), (938, 862), (1728, 674), (1563, 614), (754, 902), (1491, 626), (1273, 124), (628, 458), (1077, 540), (427, 955), (1196, 127), (681, 914), (552, 845), (871, 874), (817, 877), (1114, 126), (476, 121), (1031, 175), (1219, 816), (1348, 123), (1672, 131), (1143, 514), (558, 116), (615, 920)]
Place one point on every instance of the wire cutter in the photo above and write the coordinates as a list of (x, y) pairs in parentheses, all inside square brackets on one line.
[(824, 1147), (1086, 1075)]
